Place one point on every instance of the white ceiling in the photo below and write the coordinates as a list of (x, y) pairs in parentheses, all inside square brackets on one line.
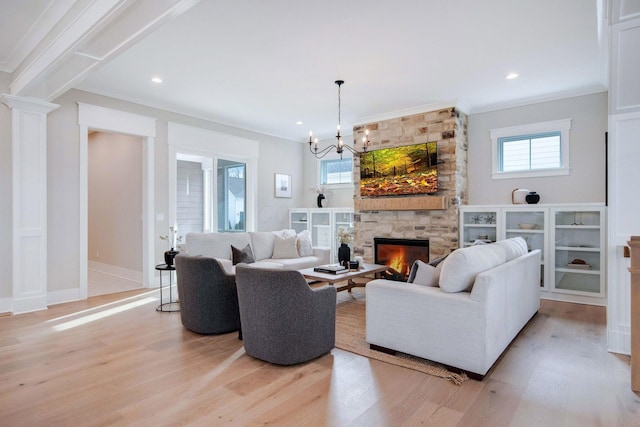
[(263, 65)]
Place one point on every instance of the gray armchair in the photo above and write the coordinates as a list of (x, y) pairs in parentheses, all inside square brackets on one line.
[(208, 298), (284, 321)]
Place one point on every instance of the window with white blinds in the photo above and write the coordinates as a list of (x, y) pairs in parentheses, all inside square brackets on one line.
[(540, 149)]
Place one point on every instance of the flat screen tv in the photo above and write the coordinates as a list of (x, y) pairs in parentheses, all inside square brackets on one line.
[(406, 170)]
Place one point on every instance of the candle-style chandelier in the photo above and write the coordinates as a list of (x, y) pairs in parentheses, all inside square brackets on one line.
[(339, 146)]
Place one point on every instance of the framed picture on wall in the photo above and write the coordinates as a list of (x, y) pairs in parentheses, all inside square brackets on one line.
[(283, 185)]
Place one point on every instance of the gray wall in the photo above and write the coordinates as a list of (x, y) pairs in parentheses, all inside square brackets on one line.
[(586, 181)]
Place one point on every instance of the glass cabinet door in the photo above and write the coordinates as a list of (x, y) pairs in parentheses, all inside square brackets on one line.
[(299, 220), (531, 225), (578, 257), (321, 229), (478, 224)]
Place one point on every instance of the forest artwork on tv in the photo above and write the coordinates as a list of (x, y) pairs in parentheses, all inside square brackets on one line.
[(411, 169)]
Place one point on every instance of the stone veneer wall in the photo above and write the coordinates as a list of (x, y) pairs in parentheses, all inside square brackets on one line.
[(448, 127)]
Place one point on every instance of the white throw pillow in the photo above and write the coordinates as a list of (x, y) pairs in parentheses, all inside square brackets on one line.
[(285, 233), (514, 247), (426, 274), (262, 244), (303, 242), (285, 247), (460, 268)]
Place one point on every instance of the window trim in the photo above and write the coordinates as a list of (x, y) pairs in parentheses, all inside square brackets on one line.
[(563, 126)]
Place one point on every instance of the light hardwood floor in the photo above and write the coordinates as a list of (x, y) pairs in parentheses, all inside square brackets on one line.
[(114, 360)]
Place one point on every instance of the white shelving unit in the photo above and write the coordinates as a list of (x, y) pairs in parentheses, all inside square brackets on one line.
[(563, 233), (321, 228), (578, 234), (299, 219), (478, 223), (323, 224), (518, 220)]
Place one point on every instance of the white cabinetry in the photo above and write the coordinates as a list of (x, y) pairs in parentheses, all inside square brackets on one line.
[(578, 256), (567, 236), (323, 224), (299, 219)]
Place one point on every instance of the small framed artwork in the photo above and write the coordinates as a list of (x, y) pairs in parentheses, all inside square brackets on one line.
[(283, 185)]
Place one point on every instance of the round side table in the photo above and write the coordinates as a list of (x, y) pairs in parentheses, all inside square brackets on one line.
[(172, 305)]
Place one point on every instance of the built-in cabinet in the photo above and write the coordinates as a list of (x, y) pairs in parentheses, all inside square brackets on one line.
[(323, 225), (571, 239)]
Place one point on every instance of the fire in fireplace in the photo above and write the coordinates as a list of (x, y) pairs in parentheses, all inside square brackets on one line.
[(399, 255)]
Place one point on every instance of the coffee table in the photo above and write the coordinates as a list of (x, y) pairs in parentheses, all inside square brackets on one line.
[(348, 277)]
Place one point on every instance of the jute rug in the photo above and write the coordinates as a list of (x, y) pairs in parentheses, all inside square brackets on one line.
[(351, 336)]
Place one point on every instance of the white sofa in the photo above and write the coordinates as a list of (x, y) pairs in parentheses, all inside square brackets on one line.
[(487, 294), (218, 245)]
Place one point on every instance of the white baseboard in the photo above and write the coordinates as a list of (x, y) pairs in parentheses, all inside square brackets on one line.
[(619, 342), (115, 271), (6, 305), (65, 295)]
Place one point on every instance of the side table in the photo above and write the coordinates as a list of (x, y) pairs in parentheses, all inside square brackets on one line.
[(170, 306)]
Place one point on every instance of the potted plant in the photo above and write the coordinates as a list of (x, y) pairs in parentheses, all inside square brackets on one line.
[(173, 239)]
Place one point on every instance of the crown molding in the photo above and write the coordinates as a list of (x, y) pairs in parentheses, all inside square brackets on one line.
[(27, 104), (592, 90)]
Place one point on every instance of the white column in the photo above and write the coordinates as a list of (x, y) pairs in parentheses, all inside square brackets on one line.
[(623, 171), (29, 201)]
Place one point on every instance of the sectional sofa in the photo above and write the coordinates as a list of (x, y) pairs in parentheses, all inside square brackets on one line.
[(282, 249)]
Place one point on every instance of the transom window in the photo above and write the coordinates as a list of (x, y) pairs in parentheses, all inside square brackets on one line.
[(336, 171), (530, 152), (540, 149)]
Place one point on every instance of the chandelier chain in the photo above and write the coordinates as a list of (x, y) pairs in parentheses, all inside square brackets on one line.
[(313, 145)]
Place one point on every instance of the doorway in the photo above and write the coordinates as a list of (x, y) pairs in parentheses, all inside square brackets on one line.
[(114, 121), (114, 213)]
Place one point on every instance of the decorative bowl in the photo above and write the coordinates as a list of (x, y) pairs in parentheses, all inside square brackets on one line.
[(527, 226)]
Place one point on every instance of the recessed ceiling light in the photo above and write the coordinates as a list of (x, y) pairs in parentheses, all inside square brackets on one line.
[(299, 122), (512, 76), (156, 79)]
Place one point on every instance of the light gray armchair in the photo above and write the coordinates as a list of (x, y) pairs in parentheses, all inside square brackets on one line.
[(208, 298), (284, 321)]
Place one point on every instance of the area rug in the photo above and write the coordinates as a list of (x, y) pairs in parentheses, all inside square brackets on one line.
[(351, 336)]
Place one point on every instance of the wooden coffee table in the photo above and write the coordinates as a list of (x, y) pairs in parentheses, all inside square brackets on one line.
[(348, 277)]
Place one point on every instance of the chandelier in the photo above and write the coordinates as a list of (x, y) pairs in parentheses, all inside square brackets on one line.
[(339, 146)]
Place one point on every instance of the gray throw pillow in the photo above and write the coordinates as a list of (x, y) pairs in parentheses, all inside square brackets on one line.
[(242, 255), (414, 267)]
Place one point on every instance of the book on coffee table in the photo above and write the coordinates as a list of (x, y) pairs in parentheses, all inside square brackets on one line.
[(331, 268)]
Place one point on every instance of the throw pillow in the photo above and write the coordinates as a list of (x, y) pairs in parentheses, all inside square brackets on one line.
[(285, 247), (438, 261), (242, 255), (285, 233), (460, 268), (514, 247), (303, 242), (424, 274)]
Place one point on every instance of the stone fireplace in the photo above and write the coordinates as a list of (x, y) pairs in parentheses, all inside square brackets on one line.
[(448, 127), (399, 255)]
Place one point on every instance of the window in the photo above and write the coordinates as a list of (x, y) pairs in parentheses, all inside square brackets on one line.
[(231, 196), (336, 171), (540, 149)]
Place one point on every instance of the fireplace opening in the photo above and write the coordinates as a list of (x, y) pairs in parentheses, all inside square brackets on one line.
[(399, 255)]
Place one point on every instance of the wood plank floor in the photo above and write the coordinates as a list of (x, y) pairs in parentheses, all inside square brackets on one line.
[(114, 360)]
